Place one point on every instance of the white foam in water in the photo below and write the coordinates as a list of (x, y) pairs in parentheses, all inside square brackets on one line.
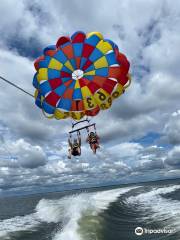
[(50, 210), (17, 224), (67, 210), (46, 211), (76, 205), (158, 207)]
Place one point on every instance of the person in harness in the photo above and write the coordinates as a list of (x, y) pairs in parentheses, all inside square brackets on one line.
[(74, 147), (93, 140)]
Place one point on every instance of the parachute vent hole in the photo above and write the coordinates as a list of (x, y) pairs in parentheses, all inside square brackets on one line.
[(77, 74)]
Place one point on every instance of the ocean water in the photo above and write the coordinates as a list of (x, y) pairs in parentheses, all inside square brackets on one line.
[(95, 214)]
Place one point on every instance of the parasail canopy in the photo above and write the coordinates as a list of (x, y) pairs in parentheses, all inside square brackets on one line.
[(79, 76)]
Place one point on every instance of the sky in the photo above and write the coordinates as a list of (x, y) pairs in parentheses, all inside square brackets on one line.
[(141, 141)]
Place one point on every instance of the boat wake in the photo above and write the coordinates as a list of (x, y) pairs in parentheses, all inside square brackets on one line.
[(66, 212)]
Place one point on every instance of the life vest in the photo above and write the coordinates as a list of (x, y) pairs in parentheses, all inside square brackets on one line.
[(75, 145), (75, 151), (93, 139)]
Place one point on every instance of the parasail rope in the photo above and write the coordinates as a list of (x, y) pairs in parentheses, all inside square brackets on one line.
[(16, 86)]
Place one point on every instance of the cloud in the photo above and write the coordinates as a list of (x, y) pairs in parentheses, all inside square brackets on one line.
[(147, 165), (19, 112), (126, 149), (172, 129), (16, 36), (131, 162), (173, 158), (22, 154), (29, 156)]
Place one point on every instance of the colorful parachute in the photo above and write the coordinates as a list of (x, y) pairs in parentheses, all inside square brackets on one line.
[(79, 76)]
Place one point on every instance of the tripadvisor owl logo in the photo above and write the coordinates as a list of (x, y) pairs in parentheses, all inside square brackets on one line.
[(139, 231)]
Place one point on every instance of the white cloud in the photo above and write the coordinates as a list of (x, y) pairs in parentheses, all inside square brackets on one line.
[(172, 129), (173, 158), (126, 149), (22, 154)]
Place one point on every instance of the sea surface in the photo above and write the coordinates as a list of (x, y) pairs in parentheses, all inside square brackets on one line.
[(111, 213)]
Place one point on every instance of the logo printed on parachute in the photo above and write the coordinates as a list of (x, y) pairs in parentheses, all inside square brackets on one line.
[(79, 76)]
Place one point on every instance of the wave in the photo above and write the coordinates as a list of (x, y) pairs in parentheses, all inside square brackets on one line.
[(157, 208), (17, 224), (70, 210), (67, 211), (81, 216)]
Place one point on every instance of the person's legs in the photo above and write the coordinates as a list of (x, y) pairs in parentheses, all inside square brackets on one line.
[(79, 151), (93, 148), (97, 145)]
